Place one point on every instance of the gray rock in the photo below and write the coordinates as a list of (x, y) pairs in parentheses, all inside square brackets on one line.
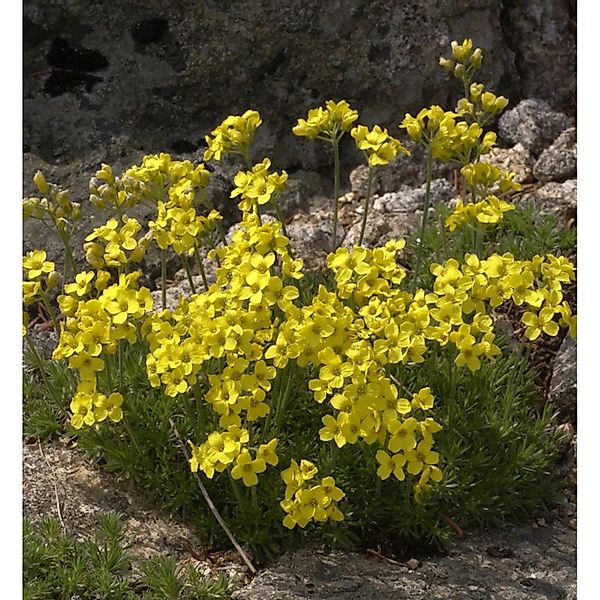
[(293, 200), (359, 179), (554, 198), (313, 574), (559, 161), (311, 237), (517, 159), (533, 123), (563, 385), (406, 199), (393, 215), (382, 227), (410, 170)]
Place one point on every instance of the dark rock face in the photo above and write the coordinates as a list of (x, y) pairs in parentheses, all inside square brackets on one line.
[(163, 75)]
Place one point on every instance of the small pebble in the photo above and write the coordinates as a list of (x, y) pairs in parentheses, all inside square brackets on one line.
[(413, 563), (473, 588)]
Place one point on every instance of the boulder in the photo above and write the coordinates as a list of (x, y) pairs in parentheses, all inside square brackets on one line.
[(532, 123), (563, 385), (558, 162)]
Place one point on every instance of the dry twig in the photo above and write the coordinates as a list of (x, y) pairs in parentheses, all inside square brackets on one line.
[(212, 507)]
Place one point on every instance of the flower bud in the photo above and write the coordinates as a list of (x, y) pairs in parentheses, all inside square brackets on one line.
[(51, 280), (460, 52), (476, 58), (487, 100), (459, 71), (475, 91), (62, 199), (447, 64), (30, 206), (500, 104), (40, 182), (464, 107)]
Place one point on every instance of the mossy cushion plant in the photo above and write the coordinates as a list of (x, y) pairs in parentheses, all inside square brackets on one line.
[(372, 396)]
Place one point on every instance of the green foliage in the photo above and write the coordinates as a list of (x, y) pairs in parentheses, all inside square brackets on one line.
[(58, 567)]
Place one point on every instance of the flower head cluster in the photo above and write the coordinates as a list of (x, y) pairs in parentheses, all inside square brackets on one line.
[(490, 210), (327, 122), (303, 502), (258, 186), (181, 228), (54, 207), (37, 271), (157, 178), (228, 449), (98, 316), (410, 443), (465, 60), (486, 178), (90, 406), (379, 147), (480, 105), (111, 246), (233, 136), (447, 137)]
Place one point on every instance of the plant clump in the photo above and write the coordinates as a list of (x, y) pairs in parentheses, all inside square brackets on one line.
[(274, 376)]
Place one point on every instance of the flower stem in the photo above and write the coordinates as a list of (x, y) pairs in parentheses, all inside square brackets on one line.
[(50, 310), (200, 266), (188, 272), (336, 188), (282, 401), (366, 206), (424, 220), (163, 277)]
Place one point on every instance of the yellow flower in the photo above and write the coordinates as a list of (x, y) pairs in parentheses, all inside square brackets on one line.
[(232, 136), (246, 468), (390, 464), (35, 264), (328, 122), (379, 147)]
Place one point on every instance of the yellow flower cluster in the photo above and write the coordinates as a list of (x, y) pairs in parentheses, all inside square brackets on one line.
[(232, 136), (181, 228), (465, 61), (304, 503), (109, 246), (484, 178), (490, 210), (480, 105), (379, 147), (231, 322), (226, 449), (157, 178), (95, 326), (406, 451), (535, 284), (36, 267), (327, 122), (258, 186), (56, 206), (90, 406), (447, 137)]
